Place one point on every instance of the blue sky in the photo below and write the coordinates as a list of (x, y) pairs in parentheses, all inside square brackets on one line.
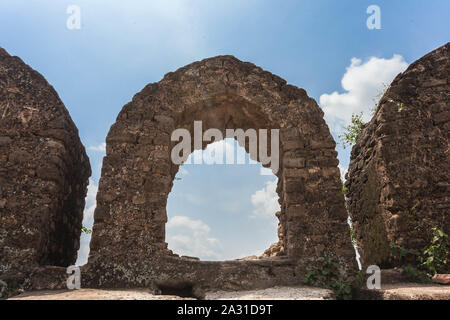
[(124, 45)]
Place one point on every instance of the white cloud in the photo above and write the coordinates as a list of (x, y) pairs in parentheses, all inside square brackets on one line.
[(91, 202), (362, 83), (183, 171), (83, 252), (217, 153), (190, 237), (189, 224), (100, 148), (266, 201), (343, 171), (265, 171), (88, 222)]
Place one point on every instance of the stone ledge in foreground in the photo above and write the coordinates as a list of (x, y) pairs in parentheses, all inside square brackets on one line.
[(275, 293), (406, 291)]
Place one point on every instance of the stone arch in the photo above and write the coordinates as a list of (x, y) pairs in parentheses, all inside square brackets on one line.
[(128, 245)]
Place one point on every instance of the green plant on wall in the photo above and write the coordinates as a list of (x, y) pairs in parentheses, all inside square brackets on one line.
[(414, 274), (434, 257), (431, 260), (85, 230), (350, 134), (327, 276), (398, 104), (352, 131), (401, 252), (376, 100), (352, 235), (404, 256)]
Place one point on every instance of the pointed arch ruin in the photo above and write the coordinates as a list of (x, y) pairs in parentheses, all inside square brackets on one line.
[(128, 246)]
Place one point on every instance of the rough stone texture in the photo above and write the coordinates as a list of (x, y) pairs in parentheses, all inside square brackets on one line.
[(128, 245), (398, 184), (95, 294), (391, 276), (441, 278), (277, 248), (44, 174), (276, 293), (405, 291), (398, 291)]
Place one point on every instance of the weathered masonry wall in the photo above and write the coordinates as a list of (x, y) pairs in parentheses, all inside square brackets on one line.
[(44, 174), (128, 246), (399, 175), (397, 186)]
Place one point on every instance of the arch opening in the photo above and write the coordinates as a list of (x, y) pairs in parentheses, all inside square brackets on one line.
[(220, 211)]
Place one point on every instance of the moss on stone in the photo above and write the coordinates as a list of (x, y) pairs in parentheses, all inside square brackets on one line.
[(376, 244)]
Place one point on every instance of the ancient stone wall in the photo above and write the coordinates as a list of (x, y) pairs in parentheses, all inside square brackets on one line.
[(397, 186), (128, 246), (44, 174), (398, 183)]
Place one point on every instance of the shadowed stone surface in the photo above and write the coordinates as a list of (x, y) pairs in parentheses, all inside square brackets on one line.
[(398, 183), (44, 174), (128, 245)]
